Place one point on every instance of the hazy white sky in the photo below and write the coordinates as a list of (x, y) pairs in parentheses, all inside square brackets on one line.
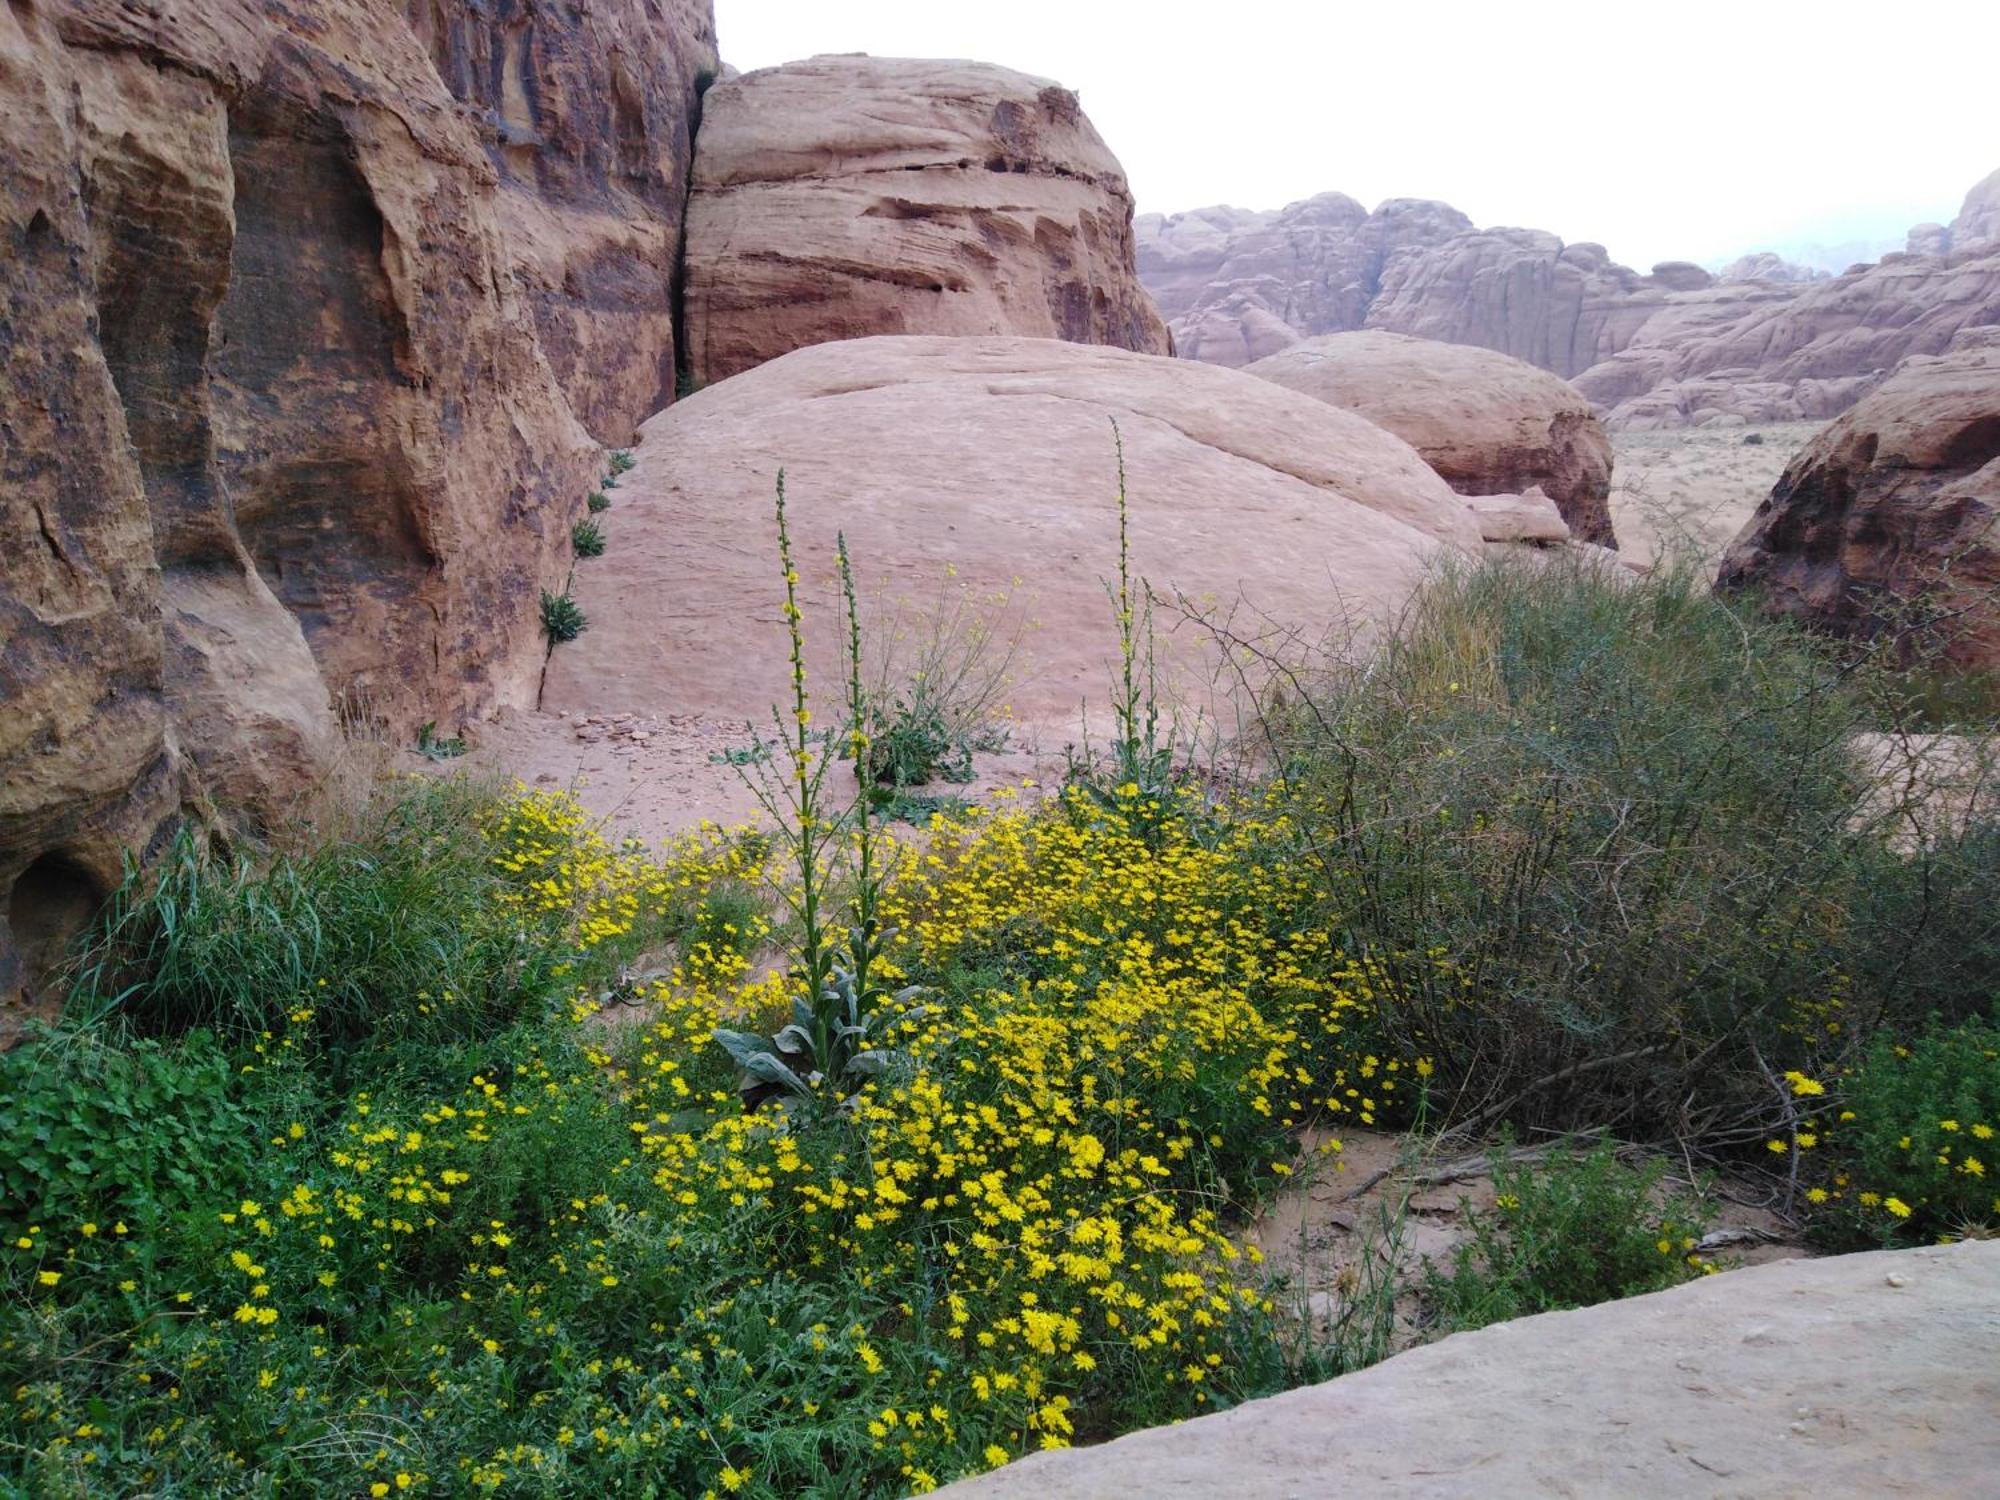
[(1686, 130)]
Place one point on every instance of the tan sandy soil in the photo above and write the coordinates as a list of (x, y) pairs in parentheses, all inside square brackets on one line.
[(1695, 486), (650, 775)]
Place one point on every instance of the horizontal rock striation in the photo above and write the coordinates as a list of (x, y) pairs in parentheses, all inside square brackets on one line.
[(1766, 341), (844, 197), (304, 306)]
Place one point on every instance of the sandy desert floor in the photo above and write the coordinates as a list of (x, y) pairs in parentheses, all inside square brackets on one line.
[(1695, 487)]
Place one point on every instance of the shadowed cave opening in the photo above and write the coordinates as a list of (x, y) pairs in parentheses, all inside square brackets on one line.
[(52, 901)]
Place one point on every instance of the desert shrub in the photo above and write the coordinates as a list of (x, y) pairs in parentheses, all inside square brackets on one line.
[(586, 538), (1905, 1147), (1568, 1230), (621, 461), (598, 502), (1612, 851), (935, 674), (436, 747), (563, 618), (912, 740)]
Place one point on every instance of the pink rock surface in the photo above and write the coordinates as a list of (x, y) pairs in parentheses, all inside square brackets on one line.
[(992, 458), (1858, 1375), (1487, 423)]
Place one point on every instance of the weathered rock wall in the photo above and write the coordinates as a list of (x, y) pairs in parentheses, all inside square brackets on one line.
[(1764, 342), (286, 433)]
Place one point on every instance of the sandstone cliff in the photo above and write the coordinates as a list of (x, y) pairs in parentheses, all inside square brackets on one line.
[(304, 306), (847, 196)]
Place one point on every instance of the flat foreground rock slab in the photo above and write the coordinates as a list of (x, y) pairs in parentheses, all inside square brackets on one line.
[(1861, 1375)]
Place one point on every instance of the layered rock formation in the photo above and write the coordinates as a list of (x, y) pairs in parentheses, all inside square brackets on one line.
[(587, 114), (1854, 1375), (1764, 342), (994, 458), (843, 197), (286, 436), (1236, 286), (1490, 425), (1891, 516), (1803, 357)]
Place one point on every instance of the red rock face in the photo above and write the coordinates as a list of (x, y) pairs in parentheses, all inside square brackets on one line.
[(296, 344), (844, 197), (1888, 518)]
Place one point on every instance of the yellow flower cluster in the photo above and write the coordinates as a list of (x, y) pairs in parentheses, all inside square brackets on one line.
[(586, 1261)]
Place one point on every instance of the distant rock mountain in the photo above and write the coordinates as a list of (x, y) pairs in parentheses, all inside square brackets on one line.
[(1767, 265), (1767, 340)]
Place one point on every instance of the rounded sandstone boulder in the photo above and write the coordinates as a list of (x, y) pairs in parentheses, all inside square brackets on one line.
[(990, 463), (1488, 423), (1888, 517)]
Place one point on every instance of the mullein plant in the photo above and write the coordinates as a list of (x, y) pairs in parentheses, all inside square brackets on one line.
[(1141, 772), (841, 1013)]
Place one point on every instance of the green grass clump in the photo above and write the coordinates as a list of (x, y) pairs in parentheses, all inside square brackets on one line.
[(435, 747), (394, 931), (599, 502), (587, 539), (1567, 1231), (622, 461)]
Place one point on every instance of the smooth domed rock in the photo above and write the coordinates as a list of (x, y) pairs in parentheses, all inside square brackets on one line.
[(844, 197), (1487, 423), (1854, 1375), (1681, 276), (1889, 516), (994, 458)]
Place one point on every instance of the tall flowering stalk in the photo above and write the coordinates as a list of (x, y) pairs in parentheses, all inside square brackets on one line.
[(1142, 765), (829, 1048)]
